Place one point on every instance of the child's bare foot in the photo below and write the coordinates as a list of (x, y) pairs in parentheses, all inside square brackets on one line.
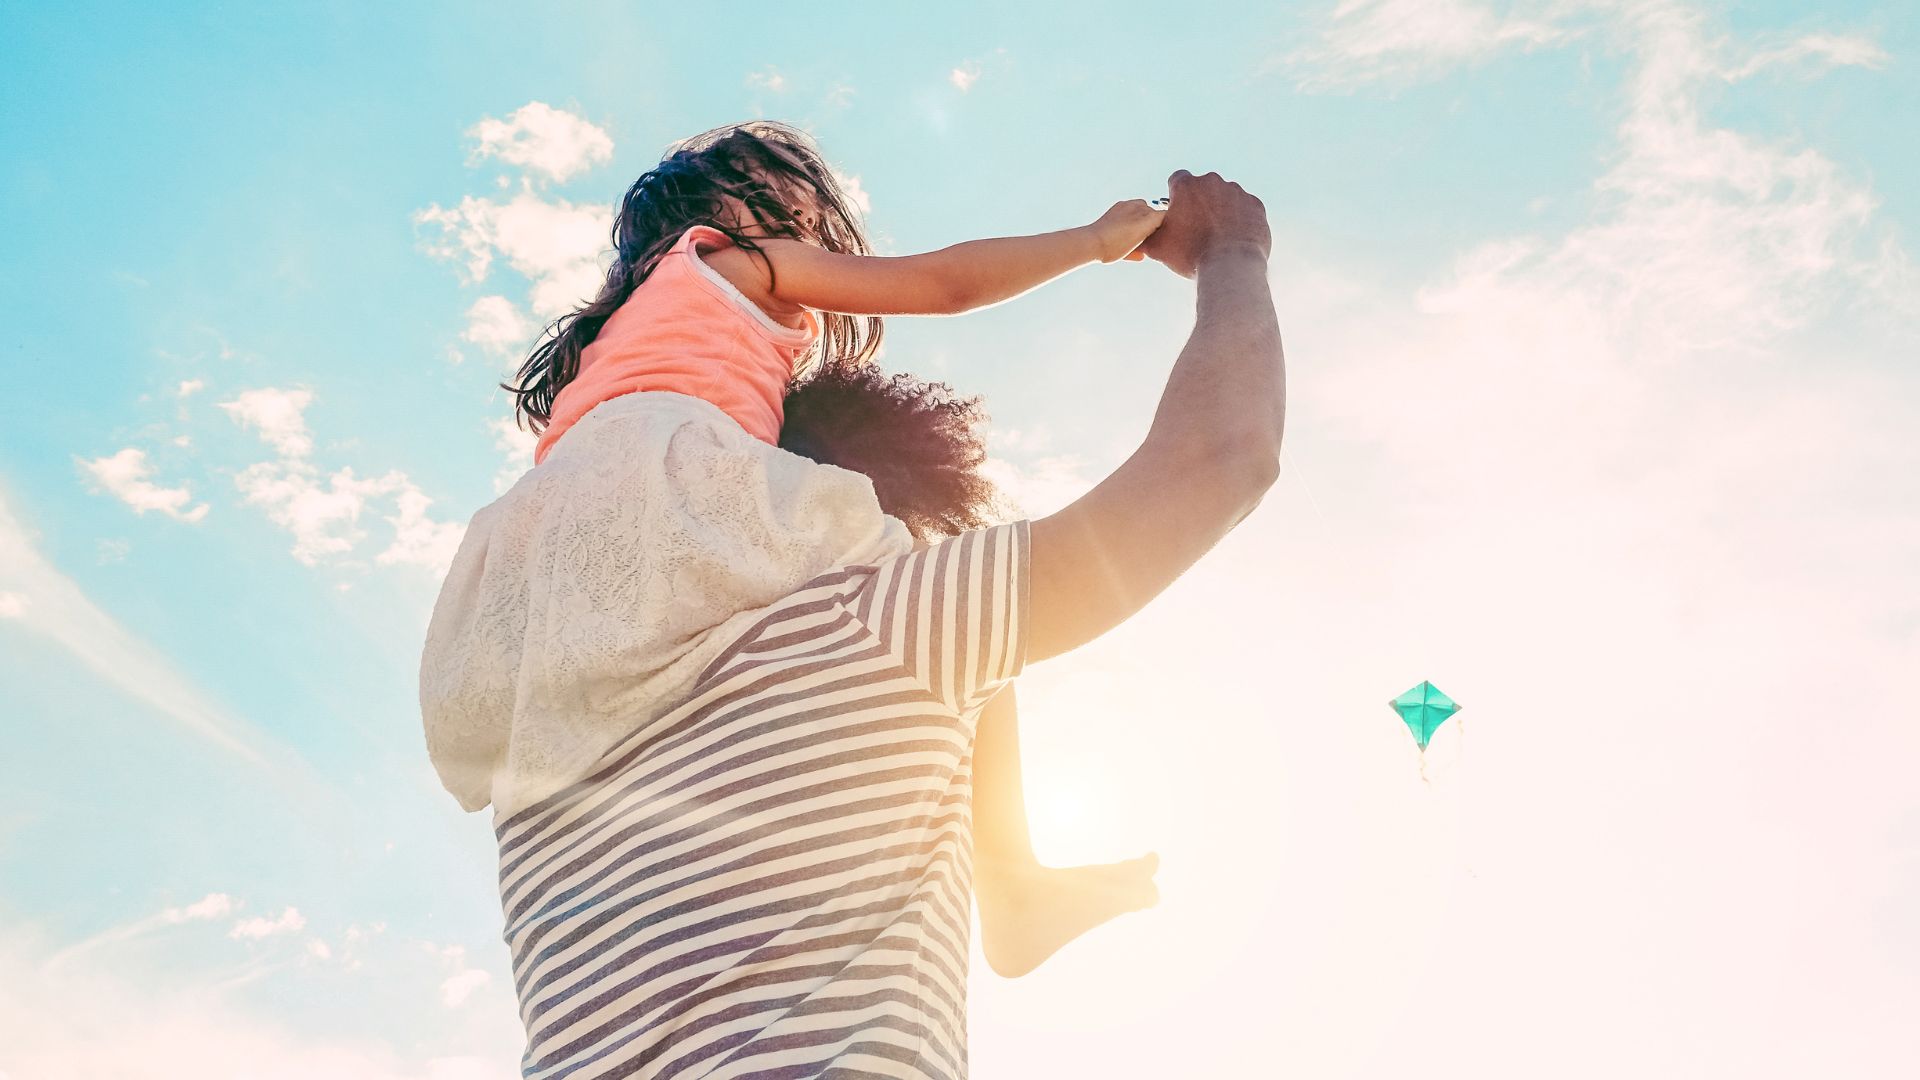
[(1028, 911)]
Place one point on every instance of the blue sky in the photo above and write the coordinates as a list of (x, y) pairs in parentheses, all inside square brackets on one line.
[(1601, 324)]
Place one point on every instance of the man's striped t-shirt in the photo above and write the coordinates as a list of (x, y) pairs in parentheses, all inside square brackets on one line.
[(774, 879)]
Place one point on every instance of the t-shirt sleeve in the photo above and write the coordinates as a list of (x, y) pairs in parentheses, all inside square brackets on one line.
[(954, 614)]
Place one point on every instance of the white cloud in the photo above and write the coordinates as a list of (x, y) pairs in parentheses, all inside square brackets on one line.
[(55, 606), (278, 416), (1370, 40), (518, 446), (125, 475), (417, 539), (839, 95), (856, 194), (769, 79), (288, 921), (1036, 486), (113, 551), (78, 1022), (323, 514), (969, 72), (1825, 49), (496, 324), (460, 986), (542, 139), (555, 244), (207, 908), (1709, 238), (12, 605), (210, 906), (189, 386), (456, 988)]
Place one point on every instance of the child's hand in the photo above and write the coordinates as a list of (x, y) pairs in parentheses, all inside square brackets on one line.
[(1121, 230)]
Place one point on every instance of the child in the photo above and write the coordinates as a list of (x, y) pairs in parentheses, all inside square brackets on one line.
[(750, 216)]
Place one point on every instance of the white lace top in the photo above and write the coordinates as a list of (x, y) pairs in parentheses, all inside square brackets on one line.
[(588, 598)]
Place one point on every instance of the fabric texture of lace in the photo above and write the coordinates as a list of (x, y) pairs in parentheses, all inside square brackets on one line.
[(589, 597)]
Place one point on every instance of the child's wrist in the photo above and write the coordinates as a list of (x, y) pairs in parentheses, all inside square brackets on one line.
[(1091, 247)]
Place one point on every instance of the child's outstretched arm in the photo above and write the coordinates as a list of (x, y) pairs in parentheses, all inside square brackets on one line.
[(952, 280), (1028, 911)]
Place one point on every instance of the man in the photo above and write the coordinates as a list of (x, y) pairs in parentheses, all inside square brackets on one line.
[(773, 878)]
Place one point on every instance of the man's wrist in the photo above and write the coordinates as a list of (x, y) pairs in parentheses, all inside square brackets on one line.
[(1228, 252)]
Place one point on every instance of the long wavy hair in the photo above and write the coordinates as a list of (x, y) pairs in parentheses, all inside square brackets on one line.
[(917, 441), (756, 162)]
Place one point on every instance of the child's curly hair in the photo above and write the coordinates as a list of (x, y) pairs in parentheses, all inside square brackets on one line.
[(919, 444)]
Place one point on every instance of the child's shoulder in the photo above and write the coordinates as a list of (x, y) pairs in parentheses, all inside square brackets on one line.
[(746, 272)]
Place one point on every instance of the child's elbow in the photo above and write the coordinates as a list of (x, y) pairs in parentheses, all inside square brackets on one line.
[(954, 298)]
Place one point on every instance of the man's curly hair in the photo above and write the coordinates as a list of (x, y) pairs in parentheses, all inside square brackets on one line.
[(918, 442)]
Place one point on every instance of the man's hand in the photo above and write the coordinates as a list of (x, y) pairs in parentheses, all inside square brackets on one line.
[(1207, 214)]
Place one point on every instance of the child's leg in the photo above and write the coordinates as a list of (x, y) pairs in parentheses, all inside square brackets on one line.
[(1028, 911), (1000, 833)]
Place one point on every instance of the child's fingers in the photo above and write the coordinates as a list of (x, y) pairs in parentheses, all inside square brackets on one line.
[(1135, 255)]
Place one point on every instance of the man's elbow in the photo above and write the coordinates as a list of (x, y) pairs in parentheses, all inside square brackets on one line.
[(1243, 465), (1250, 463)]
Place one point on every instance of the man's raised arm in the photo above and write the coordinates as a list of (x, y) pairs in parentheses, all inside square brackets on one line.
[(1212, 451)]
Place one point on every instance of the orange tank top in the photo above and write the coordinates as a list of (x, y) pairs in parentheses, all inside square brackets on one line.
[(688, 330)]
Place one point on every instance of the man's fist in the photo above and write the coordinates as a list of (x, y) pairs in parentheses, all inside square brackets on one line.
[(1207, 214)]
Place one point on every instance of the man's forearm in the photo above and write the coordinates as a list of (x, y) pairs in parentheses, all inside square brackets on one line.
[(1227, 391)]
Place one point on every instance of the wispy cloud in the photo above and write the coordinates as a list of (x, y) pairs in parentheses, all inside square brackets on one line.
[(498, 326), (1811, 52), (1362, 41), (1707, 237), (277, 415), (967, 73), (127, 476), (556, 245), (50, 603), (98, 1022), (419, 540), (856, 193), (768, 78), (517, 445), (457, 987), (253, 929), (208, 908), (1034, 479), (323, 514), (547, 142)]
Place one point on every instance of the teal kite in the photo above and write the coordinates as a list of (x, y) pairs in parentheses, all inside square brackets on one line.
[(1423, 709)]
